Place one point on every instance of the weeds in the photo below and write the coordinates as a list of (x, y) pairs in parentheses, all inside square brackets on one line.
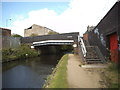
[(113, 75), (24, 51)]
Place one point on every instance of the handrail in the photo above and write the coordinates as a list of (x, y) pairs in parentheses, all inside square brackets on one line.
[(83, 47), (100, 54)]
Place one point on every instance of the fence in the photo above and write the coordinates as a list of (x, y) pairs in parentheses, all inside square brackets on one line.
[(10, 42)]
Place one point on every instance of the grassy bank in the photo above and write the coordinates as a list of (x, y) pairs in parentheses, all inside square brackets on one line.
[(111, 75), (24, 51), (58, 78)]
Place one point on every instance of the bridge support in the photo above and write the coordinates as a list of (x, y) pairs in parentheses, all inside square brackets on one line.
[(75, 46), (76, 50)]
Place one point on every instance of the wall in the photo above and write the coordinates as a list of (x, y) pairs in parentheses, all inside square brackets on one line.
[(119, 32), (5, 32), (85, 39), (1, 59), (36, 29), (85, 36), (6, 40), (0, 39), (108, 25)]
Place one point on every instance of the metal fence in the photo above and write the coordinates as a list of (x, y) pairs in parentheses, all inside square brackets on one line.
[(10, 42)]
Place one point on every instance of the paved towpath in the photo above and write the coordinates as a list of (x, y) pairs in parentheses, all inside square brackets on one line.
[(79, 77)]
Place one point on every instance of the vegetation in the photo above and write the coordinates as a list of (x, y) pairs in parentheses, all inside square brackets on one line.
[(113, 75), (24, 51), (16, 35), (59, 75), (52, 32), (110, 75), (66, 48), (33, 34)]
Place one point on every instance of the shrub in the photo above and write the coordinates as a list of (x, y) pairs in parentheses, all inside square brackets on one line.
[(24, 51)]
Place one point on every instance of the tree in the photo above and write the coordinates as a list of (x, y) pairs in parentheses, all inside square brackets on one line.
[(33, 34), (52, 32), (16, 35)]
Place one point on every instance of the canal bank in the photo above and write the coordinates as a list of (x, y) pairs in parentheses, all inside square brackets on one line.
[(58, 78), (22, 52), (71, 73)]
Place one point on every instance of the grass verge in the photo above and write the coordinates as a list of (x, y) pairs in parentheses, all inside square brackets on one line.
[(58, 78), (111, 75)]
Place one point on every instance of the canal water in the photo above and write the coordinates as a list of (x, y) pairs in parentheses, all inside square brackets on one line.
[(29, 73)]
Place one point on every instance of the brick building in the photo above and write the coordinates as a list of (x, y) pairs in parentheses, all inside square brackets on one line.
[(5, 32), (106, 35), (36, 30), (85, 35)]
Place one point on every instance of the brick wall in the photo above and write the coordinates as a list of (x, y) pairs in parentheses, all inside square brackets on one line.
[(5, 32), (99, 36)]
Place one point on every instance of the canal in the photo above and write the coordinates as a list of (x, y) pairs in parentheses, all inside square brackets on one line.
[(29, 73)]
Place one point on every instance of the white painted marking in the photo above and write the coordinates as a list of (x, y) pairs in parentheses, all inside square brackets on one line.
[(94, 66), (54, 41)]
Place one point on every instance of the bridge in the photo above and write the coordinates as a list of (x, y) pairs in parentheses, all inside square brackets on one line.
[(53, 40)]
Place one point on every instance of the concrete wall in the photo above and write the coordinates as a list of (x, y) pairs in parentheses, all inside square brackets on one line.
[(36, 29)]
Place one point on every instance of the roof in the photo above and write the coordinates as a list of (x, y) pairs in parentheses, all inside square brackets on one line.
[(5, 29)]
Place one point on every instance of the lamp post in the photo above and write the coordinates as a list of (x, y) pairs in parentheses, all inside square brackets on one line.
[(7, 22)]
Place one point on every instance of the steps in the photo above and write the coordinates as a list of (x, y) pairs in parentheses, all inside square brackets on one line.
[(92, 56)]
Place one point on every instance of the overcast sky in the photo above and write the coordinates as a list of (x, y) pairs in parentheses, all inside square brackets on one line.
[(63, 16)]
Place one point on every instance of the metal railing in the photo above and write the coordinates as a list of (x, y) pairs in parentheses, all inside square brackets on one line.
[(83, 47), (100, 54)]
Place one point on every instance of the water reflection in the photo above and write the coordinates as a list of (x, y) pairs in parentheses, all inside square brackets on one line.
[(29, 73)]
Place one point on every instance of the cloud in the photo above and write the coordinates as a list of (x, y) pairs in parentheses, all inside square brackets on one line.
[(75, 18)]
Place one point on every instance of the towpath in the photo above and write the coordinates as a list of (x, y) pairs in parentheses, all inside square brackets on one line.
[(79, 77)]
